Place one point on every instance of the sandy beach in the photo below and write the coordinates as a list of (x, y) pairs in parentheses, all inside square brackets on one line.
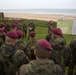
[(46, 17)]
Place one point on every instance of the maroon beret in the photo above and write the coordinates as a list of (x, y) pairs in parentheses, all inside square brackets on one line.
[(12, 34), (13, 25), (3, 25), (5, 20), (19, 32), (32, 32), (45, 44), (57, 31), (1, 30)]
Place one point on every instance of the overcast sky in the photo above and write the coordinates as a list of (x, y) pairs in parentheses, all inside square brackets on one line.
[(37, 4)]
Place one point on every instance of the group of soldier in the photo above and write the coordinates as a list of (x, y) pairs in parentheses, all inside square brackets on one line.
[(47, 56), (62, 54), (13, 50)]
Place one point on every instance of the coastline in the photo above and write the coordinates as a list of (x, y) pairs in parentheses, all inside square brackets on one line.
[(46, 17)]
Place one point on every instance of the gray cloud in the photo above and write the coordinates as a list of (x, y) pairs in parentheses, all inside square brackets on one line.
[(27, 4)]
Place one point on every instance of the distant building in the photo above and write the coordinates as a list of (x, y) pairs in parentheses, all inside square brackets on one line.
[(1, 15)]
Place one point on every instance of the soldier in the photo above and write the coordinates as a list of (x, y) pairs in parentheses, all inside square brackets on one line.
[(48, 37), (6, 22), (60, 53), (13, 27), (50, 26), (24, 29), (31, 28), (32, 43), (57, 32), (11, 57), (32, 34), (20, 44), (42, 65), (19, 26), (20, 34), (3, 26), (57, 42), (2, 36), (23, 45), (72, 64), (7, 28), (1, 67), (1, 63)]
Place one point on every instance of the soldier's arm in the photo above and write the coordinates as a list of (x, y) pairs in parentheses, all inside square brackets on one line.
[(19, 57), (26, 50)]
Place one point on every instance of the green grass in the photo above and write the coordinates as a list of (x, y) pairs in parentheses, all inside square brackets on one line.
[(42, 28)]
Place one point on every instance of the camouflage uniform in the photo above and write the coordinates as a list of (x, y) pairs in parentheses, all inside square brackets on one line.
[(11, 59), (7, 28), (25, 29), (1, 40), (1, 66), (31, 47), (31, 28), (57, 53), (41, 67), (19, 27), (51, 25), (73, 62), (24, 46)]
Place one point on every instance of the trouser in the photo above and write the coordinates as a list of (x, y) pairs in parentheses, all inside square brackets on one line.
[(71, 68)]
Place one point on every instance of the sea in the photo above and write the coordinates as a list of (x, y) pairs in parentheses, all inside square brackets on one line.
[(42, 11)]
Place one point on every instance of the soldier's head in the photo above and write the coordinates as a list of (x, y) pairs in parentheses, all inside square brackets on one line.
[(51, 22), (6, 21), (20, 34), (3, 26), (31, 21), (32, 34), (14, 27), (57, 31), (11, 37), (42, 49)]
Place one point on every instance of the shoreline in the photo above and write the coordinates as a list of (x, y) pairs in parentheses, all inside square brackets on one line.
[(46, 17)]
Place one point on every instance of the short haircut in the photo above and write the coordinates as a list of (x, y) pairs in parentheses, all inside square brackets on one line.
[(9, 40), (41, 52)]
